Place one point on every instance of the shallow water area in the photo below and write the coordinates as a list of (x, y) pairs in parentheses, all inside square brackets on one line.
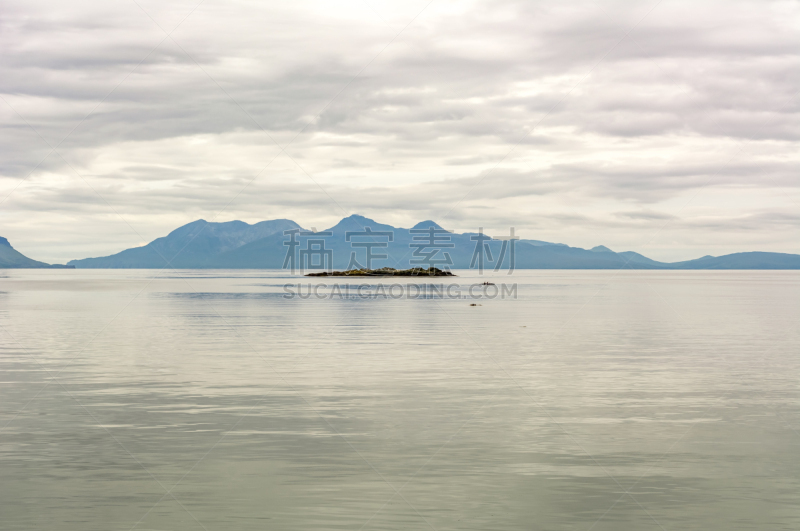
[(210, 400)]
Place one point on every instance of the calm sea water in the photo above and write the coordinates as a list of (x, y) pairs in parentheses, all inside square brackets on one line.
[(205, 400)]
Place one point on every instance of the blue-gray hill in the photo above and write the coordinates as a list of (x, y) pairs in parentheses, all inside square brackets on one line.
[(238, 245), (752, 260), (192, 246), (10, 258)]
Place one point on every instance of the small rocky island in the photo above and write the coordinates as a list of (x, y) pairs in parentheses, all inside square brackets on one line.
[(386, 272)]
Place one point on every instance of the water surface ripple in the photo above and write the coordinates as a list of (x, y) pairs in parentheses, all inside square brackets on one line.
[(596, 400)]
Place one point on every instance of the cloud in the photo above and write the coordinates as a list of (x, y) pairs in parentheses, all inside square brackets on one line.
[(537, 115)]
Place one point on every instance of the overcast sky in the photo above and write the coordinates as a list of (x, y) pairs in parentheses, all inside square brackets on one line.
[(669, 128)]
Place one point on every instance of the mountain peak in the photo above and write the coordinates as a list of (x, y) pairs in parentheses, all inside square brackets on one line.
[(601, 249), (3, 241), (357, 222), (426, 225), (189, 227), (361, 220)]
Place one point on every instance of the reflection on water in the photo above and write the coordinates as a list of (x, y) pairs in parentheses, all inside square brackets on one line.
[(205, 400)]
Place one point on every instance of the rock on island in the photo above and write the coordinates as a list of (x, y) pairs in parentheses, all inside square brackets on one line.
[(386, 272)]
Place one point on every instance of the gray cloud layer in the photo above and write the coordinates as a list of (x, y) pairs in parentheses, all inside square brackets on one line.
[(675, 138)]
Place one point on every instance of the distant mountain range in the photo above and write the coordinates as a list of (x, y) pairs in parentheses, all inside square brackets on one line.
[(11, 258), (239, 245), (198, 245)]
